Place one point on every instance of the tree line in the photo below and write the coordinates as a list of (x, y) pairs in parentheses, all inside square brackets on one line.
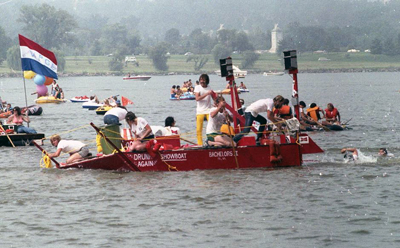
[(57, 30)]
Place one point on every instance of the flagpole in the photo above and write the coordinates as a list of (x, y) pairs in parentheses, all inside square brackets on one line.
[(26, 99)]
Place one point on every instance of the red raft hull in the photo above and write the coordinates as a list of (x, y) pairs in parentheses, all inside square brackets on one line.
[(196, 159)]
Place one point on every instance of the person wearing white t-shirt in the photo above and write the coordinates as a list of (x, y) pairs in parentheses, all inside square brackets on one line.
[(76, 149), (252, 114), (218, 115), (141, 130), (115, 115), (202, 93)]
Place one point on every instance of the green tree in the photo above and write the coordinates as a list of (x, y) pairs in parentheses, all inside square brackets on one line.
[(159, 56), (115, 64), (200, 42), (199, 61), (172, 36), (47, 26), (389, 47), (5, 43), (241, 42), (14, 58), (133, 43), (60, 60), (113, 37), (249, 58), (220, 52), (376, 46)]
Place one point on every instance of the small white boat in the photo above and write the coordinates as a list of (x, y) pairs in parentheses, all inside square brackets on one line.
[(279, 73), (91, 105), (79, 99), (236, 72), (137, 78), (243, 90)]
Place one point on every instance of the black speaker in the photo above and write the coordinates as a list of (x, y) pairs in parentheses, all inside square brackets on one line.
[(226, 67), (290, 58)]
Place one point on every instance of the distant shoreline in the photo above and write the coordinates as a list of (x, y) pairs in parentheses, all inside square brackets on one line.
[(97, 74)]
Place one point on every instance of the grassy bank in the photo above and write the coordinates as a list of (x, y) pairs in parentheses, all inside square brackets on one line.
[(308, 62)]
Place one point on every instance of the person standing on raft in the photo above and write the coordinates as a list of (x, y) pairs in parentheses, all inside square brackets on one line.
[(252, 114), (202, 93)]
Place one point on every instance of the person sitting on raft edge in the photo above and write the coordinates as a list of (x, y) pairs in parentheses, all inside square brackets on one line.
[(141, 130)]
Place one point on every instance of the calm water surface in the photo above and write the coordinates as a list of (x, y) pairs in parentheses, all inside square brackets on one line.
[(325, 203)]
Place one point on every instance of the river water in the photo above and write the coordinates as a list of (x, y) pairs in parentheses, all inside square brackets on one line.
[(325, 203)]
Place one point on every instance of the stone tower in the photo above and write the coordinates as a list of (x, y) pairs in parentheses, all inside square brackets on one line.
[(276, 36)]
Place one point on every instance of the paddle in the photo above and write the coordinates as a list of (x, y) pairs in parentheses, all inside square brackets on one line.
[(344, 124), (323, 127), (188, 141), (129, 163), (45, 152), (1, 127)]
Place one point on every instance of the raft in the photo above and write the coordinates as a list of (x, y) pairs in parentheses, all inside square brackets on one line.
[(102, 110), (185, 96), (33, 110), (49, 99), (5, 114)]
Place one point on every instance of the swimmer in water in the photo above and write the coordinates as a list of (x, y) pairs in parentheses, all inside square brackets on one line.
[(350, 153)]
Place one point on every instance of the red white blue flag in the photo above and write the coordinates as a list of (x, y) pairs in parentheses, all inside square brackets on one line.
[(36, 58)]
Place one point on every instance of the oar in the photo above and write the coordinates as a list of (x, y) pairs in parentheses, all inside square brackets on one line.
[(344, 124), (1, 127), (129, 163), (323, 127), (45, 152), (188, 141)]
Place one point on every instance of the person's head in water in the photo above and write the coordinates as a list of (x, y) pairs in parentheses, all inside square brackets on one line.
[(313, 105), (383, 152)]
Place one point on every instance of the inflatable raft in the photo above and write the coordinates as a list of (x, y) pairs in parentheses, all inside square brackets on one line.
[(49, 99), (79, 99), (102, 110), (5, 114), (185, 96), (33, 110)]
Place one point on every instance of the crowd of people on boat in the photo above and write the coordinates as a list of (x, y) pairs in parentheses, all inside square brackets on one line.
[(219, 131), (178, 91)]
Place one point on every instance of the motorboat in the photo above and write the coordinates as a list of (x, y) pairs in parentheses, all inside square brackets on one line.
[(137, 78), (278, 73)]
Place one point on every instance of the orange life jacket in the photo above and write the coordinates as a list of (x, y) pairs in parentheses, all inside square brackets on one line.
[(285, 111), (314, 113)]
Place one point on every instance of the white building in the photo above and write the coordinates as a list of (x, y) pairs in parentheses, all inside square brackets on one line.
[(276, 37)]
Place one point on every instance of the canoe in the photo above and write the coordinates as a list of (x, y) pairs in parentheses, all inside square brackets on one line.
[(49, 99)]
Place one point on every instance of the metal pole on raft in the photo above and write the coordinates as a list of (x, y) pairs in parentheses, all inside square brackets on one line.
[(290, 58), (26, 99)]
